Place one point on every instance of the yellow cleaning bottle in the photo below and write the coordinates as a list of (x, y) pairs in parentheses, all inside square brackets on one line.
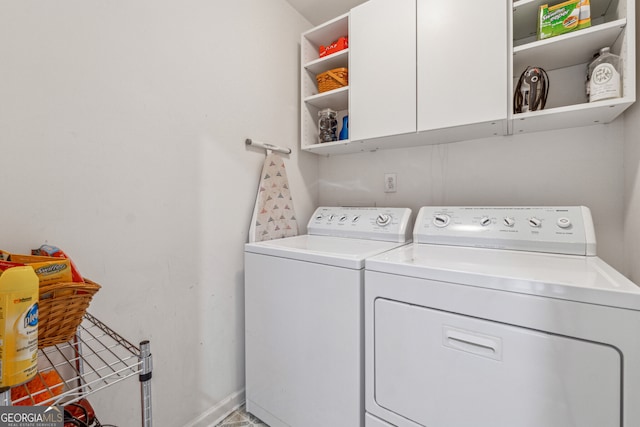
[(18, 326)]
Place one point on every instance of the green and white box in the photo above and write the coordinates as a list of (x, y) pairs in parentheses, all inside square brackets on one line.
[(563, 18)]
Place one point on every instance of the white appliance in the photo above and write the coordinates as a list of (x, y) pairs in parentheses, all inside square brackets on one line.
[(304, 320), (500, 317)]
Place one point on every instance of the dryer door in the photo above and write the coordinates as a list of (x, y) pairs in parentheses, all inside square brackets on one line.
[(443, 369)]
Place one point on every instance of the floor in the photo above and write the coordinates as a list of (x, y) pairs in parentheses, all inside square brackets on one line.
[(240, 418)]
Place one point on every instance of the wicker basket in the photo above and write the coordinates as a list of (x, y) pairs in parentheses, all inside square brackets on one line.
[(60, 310), (332, 79)]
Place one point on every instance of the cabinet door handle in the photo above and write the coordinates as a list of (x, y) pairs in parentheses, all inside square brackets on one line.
[(473, 343)]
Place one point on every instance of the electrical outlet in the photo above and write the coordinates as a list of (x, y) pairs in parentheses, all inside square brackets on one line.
[(390, 183)]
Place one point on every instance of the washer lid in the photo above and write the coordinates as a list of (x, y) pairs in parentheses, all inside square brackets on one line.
[(569, 277), (335, 251)]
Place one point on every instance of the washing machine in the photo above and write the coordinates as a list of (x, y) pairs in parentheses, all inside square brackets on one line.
[(500, 317), (304, 320)]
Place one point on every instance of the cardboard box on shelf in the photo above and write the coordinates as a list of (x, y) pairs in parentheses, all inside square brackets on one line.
[(563, 18), (336, 46)]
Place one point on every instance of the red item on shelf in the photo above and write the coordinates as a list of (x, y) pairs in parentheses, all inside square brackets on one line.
[(336, 46)]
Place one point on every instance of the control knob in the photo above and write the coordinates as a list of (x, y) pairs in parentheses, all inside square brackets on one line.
[(343, 218), (383, 219), (564, 222), (485, 221), (509, 221), (441, 220), (535, 222)]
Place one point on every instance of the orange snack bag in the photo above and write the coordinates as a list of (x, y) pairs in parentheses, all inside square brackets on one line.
[(40, 391)]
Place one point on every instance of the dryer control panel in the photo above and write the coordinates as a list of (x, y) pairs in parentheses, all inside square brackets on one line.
[(385, 224), (562, 230)]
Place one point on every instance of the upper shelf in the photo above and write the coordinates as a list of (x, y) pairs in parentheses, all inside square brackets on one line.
[(327, 31), (525, 15), (336, 60), (323, 35), (568, 49)]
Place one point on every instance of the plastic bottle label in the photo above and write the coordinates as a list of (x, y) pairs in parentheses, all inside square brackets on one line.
[(19, 337), (604, 83)]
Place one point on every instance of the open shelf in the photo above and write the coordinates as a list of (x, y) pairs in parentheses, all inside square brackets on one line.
[(570, 116), (566, 58), (335, 60), (311, 65), (337, 99), (326, 33), (525, 15), (568, 49)]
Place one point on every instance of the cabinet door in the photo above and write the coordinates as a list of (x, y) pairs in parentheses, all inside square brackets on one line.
[(382, 69), (462, 62)]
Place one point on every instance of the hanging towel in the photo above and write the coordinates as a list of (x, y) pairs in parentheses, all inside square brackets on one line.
[(273, 215)]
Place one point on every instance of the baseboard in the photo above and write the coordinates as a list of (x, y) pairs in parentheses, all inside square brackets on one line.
[(215, 415)]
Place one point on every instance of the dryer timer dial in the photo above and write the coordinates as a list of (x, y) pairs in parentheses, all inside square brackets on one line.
[(441, 220), (383, 219)]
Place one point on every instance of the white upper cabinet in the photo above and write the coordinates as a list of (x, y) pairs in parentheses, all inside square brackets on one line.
[(462, 67), (435, 71), (382, 69)]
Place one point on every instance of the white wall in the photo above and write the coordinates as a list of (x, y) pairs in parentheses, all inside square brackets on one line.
[(122, 127), (632, 178), (566, 167)]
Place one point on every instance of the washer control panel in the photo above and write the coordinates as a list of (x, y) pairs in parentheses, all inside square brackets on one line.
[(564, 230), (386, 224)]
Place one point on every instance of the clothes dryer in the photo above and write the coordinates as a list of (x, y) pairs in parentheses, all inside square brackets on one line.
[(500, 317), (304, 316)]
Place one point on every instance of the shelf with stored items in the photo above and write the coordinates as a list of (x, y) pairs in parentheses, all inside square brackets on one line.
[(566, 57), (401, 95), (335, 60), (96, 358), (313, 101)]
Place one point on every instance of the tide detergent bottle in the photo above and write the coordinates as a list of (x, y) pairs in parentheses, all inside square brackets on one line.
[(18, 326)]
